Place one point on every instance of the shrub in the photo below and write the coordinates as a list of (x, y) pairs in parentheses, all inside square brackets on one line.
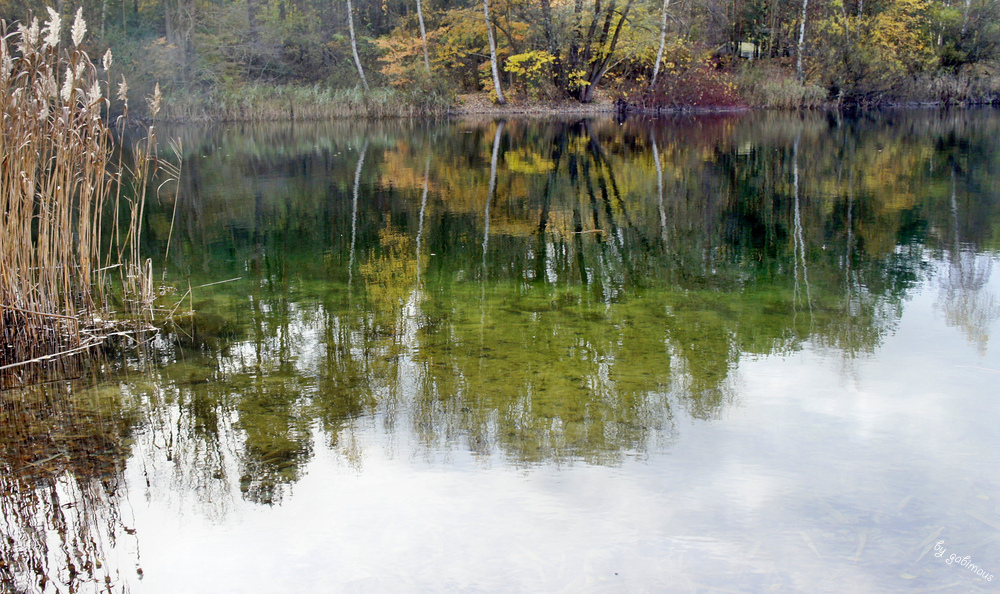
[(697, 83), (532, 74)]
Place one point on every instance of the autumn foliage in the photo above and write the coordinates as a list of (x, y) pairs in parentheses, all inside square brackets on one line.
[(689, 83)]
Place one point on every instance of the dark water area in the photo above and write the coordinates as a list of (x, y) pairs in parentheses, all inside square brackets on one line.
[(725, 353)]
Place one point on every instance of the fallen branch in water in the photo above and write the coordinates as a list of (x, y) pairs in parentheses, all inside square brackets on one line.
[(53, 356), (218, 282)]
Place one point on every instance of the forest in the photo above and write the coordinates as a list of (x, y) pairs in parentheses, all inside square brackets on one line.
[(307, 59)]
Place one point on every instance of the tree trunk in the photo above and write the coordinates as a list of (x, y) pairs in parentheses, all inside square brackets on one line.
[(550, 41), (493, 53), (252, 21), (800, 244), (663, 42), (574, 44), (354, 45), (772, 40), (423, 209), (168, 21), (600, 67), (423, 35), (802, 39), (588, 42)]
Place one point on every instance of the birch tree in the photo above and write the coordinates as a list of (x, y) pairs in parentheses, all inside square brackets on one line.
[(802, 38), (663, 42), (493, 53), (354, 45), (423, 34)]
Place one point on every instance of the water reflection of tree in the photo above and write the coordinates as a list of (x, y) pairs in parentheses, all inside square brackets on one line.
[(569, 312), (967, 302), (62, 455), (563, 305)]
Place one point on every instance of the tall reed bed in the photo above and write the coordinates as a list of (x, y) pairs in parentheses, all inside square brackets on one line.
[(259, 103), (773, 87), (57, 174)]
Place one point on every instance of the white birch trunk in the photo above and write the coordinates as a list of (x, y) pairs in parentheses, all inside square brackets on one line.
[(423, 35), (802, 39), (354, 45), (493, 53), (663, 42), (659, 192)]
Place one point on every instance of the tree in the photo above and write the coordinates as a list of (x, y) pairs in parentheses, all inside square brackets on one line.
[(354, 45), (866, 55), (663, 42), (423, 35), (493, 53), (802, 38), (605, 53)]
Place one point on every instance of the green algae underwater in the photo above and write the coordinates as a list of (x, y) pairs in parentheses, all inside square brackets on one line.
[(733, 352)]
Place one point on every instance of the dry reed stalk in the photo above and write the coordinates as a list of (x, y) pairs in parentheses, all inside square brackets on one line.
[(55, 181)]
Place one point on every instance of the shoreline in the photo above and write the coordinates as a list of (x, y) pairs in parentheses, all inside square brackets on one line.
[(479, 105)]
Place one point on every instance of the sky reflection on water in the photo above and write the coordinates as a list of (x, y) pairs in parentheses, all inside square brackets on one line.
[(822, 478)]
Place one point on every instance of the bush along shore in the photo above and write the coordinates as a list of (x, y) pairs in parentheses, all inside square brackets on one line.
[(710, 88), (71, 277)]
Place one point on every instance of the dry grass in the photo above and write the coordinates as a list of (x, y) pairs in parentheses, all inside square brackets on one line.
[(56, 177), (262, 102), (977, 84), (774, 87)]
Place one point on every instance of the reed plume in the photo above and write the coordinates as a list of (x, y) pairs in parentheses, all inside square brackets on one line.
[(56, 177)]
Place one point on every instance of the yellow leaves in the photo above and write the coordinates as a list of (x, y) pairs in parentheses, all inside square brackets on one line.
[(902, 31), (577, 79), (528, 162), (529, 65), (896, 40), (402, 57), (531, 70), (390, 276), (890, 175), (461, 34), (402, 170)]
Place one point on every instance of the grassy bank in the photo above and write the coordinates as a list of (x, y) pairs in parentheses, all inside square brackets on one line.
[(261, 103)]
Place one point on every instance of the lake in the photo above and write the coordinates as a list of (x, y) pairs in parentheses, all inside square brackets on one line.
[(724, 353)]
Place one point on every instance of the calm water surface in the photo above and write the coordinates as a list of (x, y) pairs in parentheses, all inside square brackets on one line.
[(746, 353)]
